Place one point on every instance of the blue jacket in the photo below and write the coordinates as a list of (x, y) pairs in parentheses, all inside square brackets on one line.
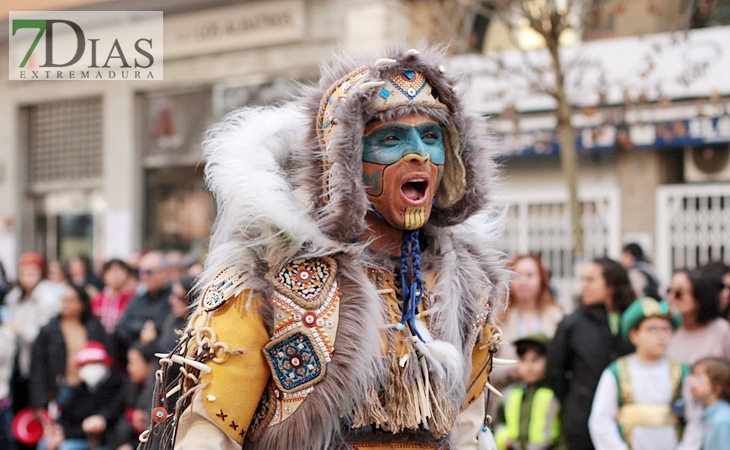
[(717, 418)]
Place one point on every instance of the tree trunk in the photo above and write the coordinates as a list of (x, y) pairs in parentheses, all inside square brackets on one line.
[(568, 154)]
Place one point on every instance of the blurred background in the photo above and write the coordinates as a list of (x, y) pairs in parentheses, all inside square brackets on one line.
[(109, 169)]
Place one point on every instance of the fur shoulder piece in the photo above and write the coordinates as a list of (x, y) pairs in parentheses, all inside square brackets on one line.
[(261, 214)]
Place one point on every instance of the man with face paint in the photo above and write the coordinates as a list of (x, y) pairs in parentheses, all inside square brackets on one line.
[(350, 279), (403, 161)]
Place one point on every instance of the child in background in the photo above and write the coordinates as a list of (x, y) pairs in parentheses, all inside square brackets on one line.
[(710, 384), (137, 415), (636, 402), (529, 399)]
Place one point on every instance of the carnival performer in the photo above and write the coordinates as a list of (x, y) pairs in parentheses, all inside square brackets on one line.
[(351, 279)]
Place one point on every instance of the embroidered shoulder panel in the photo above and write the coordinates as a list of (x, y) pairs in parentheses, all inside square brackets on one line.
[(306, 311), (226, 285), (306, 282)]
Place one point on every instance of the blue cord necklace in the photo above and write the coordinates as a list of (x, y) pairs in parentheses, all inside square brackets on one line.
[(412, 288)]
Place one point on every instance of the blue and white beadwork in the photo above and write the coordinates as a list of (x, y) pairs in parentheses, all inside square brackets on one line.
[(409, 83), (227, 284), (295, 360)]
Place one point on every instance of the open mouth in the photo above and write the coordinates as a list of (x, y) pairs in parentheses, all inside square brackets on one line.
[(415, 190)]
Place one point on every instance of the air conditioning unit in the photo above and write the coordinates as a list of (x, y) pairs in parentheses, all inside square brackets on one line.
[(707, 163)]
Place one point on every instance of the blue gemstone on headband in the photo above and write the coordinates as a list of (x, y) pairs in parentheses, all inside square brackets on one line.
[(409, 74), (384, 93)]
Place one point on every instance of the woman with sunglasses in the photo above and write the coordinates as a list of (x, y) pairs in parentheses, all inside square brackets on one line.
[(694, 295)]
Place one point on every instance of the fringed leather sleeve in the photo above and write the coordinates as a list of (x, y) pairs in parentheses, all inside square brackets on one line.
[(481, 364), (223, 376)]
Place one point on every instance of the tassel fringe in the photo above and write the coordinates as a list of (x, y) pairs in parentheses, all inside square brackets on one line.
[(410, 405)]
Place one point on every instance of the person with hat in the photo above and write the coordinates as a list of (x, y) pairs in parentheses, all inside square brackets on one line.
[(529, 415), (642, 401), (83, 416), (352, 278)]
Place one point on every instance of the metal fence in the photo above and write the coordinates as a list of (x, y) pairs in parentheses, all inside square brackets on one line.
[(693, 226), (539, 222)]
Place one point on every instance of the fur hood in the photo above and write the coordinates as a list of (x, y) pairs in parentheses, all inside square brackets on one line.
[(267, 169)]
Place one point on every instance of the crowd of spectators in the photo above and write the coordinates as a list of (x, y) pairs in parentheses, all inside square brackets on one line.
[(618, 324), (77, 353)]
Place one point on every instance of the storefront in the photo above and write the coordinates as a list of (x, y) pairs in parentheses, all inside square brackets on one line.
[(111, 168)]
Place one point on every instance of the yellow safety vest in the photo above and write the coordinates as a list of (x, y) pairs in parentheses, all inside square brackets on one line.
[(540, 432)]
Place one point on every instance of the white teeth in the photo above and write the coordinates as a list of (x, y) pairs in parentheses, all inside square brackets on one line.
[(416, 180)]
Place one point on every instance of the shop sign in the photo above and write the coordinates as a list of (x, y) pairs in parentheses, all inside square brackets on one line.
[(638, 136), (234, 28)]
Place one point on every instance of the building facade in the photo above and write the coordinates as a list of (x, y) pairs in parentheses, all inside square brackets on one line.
[(107, 168), (652, 122)]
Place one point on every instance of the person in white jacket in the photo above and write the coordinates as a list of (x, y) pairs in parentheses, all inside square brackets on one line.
[(31, 305)]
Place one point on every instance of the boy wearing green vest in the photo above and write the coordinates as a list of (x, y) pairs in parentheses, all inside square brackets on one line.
[(642, 401), (528, 417)]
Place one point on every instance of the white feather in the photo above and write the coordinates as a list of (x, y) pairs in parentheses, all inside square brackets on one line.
[(445, 355), (449, 357), (486, 439), (423, 331)]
